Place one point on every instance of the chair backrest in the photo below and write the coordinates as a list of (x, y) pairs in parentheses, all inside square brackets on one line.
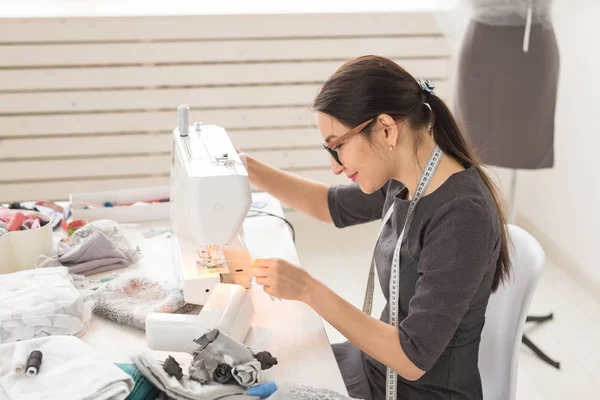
[(505, 318)]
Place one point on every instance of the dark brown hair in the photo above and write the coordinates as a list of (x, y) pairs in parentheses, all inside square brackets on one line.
[(369, 86)]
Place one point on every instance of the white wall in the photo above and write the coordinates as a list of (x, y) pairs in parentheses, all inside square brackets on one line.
[(561, 206)]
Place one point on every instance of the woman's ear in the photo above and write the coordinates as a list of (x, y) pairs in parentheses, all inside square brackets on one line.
[(391, 132)]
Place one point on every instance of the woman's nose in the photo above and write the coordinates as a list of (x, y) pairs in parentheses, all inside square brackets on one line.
[(336, 168)]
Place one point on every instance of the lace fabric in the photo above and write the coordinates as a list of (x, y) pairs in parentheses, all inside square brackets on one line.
[(302, 392), (128, 300)]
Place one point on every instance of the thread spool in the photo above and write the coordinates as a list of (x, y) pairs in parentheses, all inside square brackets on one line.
[(183, 111), (20, 356), (34, 362), (15, 222)]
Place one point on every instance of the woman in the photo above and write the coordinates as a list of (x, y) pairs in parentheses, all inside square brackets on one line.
[(381, 126)]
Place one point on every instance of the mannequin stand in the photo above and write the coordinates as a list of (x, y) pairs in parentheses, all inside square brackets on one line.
[(537, 319)]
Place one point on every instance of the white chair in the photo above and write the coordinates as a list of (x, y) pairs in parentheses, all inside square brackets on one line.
[(505, 318)]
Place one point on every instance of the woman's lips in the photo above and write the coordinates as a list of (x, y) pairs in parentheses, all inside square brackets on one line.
[(353, 177)]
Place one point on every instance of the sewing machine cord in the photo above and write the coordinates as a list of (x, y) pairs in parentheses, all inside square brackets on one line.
[(261, 213)]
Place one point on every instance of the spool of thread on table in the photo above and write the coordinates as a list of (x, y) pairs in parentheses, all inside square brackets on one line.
[(20, 356), (34, 362), (15, 222)]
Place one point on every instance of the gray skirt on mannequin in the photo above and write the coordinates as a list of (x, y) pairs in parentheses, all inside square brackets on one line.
[(505, 97)]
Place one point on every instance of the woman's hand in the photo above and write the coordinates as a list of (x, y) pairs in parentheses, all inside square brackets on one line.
[(242, 156), (282, 279)]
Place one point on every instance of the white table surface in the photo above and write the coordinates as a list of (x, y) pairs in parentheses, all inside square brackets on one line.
[(290, 330)]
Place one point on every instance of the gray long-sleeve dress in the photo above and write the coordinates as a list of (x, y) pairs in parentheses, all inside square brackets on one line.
[(446, 272)]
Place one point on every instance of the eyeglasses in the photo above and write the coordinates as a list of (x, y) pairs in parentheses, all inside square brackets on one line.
[(332, 147)]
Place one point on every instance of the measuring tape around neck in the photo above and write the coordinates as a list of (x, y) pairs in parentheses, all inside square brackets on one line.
[(432, 164)]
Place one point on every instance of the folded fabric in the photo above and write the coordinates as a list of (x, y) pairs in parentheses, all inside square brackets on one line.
[(198, 372), (70, 369), (40, 302), (184, 388), (301, 392), (129, 301), (247, 374), (97, 247), (223, 374), (143, 389), (215, 348)]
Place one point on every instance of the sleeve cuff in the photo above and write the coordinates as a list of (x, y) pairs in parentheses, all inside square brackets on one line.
[(419, 360), (332, 204)]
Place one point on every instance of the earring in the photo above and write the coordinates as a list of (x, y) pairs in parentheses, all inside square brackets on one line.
[(391, 148)]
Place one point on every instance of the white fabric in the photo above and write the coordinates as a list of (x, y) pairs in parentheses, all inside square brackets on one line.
[(183, 389), (70, 369), (505, 318), (40, 302)]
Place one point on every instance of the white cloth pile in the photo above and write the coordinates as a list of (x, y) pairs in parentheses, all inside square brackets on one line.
[(40, 302), (70, 369)]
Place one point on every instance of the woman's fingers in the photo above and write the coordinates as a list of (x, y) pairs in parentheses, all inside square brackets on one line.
[(263, 281), (260, 272), (264, 262), (264, 267), (269, 291)]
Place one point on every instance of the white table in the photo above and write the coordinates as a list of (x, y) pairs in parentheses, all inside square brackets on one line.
[(290, 330)]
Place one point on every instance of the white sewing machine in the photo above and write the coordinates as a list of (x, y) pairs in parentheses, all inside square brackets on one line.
[(210, 197)]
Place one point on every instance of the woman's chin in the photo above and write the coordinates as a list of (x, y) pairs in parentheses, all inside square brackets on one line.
[(369, 187), (366, 189)]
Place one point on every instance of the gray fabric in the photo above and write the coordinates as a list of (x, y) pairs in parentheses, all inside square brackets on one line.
[(446, 273), (183, 389), (198, 372), (93, 255), (216, 348), (247, 374), (350, 360), (97, 247), (505, 97)]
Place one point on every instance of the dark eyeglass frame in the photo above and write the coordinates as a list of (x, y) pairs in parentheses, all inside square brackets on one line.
[(332, 147)]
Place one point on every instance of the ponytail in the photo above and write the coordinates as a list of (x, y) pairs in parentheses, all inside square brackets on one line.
[(451, 142)]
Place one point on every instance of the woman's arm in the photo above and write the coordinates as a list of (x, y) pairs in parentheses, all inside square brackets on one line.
[(305, 195), (376, 338)]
